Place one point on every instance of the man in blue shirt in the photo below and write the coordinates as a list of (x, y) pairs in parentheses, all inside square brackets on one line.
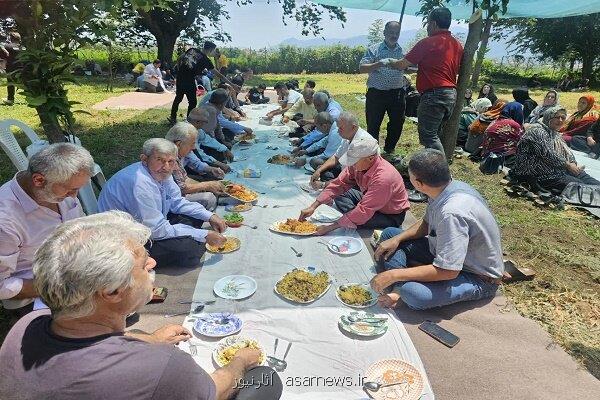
[(385, 85), (208, 148), (147, 191)]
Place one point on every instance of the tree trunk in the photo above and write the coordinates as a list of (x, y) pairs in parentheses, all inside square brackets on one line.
[(51, 126), (166, 47), (587, 64), (466, 66), (572, 64), (485, 37)]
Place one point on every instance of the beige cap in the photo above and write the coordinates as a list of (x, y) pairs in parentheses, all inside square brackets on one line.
[(361, 147)]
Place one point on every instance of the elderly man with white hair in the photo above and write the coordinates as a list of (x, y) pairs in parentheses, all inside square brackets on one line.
[(349, 130), (380, 201), (324, 102), (92, 272), (147, 191), (184, 135), (32, 205)]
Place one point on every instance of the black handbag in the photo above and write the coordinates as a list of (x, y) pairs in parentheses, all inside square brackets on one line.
[(582, 195), (492, 164)]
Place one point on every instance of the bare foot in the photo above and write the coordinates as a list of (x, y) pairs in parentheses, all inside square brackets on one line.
[(389, 300)]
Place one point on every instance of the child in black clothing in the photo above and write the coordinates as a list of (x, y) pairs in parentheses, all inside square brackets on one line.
[(256, 95)]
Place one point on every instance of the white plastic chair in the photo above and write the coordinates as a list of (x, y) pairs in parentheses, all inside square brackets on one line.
[(11, 147), (9, 143)]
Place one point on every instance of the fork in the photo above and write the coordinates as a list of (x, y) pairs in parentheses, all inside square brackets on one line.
[(193, 350)]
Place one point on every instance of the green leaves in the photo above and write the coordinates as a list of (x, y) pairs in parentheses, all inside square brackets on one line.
[(36, 101)]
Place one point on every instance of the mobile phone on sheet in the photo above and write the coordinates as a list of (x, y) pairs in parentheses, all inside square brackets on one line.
[(439, 333)]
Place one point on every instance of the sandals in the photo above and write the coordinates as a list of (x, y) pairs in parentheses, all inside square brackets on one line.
[(515, 273)]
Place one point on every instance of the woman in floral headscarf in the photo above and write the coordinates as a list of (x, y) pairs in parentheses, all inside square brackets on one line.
[(502, 136), (581, 120), (544, 158)]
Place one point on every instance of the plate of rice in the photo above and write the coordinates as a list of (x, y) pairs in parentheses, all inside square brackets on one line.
[(356, 295)]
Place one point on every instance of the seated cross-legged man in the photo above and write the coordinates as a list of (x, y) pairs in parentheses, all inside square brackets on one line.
[(453, 254), (183, 135), (32, 205), (208, 148), (380, 200), (322, 149), (92, 272), (348, 130), (147, 191)]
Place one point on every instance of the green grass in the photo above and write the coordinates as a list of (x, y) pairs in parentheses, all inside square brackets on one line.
[(562, 247)]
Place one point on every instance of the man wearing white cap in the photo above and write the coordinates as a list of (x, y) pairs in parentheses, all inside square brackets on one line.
[(349, 130), (380, 200)]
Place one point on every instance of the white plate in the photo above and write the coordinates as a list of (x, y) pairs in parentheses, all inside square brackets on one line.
[(230, 341), (275, 228), (347, 245), (366, 286), (247, 287), (313, 271), (412, 389), (362, 328)]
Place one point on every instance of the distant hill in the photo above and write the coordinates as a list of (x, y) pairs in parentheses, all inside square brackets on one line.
[(498, 49)]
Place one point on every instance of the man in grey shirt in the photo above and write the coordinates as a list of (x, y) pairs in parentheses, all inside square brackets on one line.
[(385, 86), (91, 273), (453, 254)]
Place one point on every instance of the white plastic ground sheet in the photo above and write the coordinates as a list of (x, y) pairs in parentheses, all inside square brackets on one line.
[(592, 166), (323, 362)]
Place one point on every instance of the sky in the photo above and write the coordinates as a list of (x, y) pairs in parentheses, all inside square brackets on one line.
[(259, 25)]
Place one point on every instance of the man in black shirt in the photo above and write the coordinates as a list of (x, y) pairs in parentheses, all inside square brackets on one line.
[(9, 52), (191, 64)]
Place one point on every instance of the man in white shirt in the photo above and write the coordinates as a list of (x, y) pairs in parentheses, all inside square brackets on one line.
[(349, 130), (147, 191), (288, 96), (32, 205), (153, 81)]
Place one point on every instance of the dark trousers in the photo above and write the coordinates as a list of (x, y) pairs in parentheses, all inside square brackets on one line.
[(346, 203), (181, 251), (190, 93), (378, 103), (579, 143), (209, 151), (435, 108), (558, 184), (11, 92)]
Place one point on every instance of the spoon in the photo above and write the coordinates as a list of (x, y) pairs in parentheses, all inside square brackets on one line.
[(194, 311), (333, 246), (279, 206), (278, 364), (204, 303), (250, 226), (373, 320), (375, 386), (298, 254), (220, 321)]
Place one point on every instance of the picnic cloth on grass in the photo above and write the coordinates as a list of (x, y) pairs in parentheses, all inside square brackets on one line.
[(319, 348)]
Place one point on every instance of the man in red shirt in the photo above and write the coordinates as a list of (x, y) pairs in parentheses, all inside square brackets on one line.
[(438, 57)]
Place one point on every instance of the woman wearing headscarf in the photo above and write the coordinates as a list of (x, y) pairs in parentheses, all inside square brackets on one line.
[(502, 136), (478, 127), (487, 92), (581, 120), (544, 158), (521, 95), (468, 97), (468, 114), (550, 100)]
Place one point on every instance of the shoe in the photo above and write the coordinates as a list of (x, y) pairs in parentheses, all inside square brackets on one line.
[(416, 196), (8, 102)]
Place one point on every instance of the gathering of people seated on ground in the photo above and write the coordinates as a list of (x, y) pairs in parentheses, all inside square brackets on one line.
[(91, 272)]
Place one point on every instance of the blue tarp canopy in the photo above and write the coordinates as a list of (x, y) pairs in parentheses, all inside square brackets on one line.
[(463, 10)]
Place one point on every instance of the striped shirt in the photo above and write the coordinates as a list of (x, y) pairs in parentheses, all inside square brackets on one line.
[(384, 78)]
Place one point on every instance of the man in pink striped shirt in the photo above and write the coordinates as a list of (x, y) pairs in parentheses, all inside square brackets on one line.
[(380, 200)]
